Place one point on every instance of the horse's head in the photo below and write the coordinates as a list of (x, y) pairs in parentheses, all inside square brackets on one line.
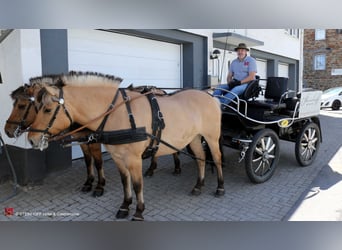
[(52, 118), (23, 113)]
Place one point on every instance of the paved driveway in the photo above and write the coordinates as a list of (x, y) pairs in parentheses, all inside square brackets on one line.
[(167, 197)]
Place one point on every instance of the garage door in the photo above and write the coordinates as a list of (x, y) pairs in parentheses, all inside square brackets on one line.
[(262, 70), (283, 70), (137, 60)]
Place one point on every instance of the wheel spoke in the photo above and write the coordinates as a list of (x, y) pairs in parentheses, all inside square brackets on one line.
[(257, 159), (304, 151), (271, 148), (258, 150), (262, 141), (314, 140), (257, 169), (312, 133), (271, 156), (268, 143), (265, 167)]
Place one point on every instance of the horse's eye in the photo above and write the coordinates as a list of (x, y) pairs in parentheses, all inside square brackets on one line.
[(46, 110), (21, 106)]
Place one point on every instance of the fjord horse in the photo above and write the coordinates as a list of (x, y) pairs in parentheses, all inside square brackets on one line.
[(188, 115), (25, 109)]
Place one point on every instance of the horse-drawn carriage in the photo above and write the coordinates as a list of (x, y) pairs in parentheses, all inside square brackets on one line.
[(254, 124), (132, 126)]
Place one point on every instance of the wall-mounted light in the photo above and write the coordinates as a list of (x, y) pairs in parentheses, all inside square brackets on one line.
[(215, 54)]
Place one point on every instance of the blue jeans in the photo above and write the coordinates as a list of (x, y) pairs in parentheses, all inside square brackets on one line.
[(238, 90)]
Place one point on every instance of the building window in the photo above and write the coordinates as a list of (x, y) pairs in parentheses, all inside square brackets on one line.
[(293, 32), (319, 63), (339, 31), (319, 34)]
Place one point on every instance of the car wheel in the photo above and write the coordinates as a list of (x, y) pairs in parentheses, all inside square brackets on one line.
[(336, 105)]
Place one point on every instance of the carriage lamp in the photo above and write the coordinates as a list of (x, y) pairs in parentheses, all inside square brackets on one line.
[(215, 54)]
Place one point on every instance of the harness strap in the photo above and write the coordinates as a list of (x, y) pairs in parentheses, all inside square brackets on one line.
[(27, 110), (158, 125), (111, 106), (53, 118), (128, 107)]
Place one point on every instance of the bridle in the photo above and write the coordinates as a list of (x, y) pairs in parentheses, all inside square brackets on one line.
[(46, 133), (21, 124)]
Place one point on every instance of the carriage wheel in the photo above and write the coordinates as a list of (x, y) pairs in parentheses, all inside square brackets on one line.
[(307, 144), (262, 156)]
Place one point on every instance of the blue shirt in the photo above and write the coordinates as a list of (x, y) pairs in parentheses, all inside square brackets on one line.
[(241, 69)]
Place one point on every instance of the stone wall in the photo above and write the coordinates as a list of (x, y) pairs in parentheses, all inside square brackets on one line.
[(332, 48)]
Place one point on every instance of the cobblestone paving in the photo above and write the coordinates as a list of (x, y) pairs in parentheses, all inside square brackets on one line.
[(167, 197)]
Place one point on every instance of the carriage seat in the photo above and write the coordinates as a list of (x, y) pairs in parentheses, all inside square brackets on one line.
[(252, 91), (275, 93)]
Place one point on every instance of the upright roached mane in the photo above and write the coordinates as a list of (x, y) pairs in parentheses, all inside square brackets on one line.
[(189, 115)]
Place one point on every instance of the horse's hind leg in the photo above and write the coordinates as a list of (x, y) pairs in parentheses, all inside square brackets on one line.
[(95, 150), (149, 172), (197, 149), (177, 170), (87, 186)]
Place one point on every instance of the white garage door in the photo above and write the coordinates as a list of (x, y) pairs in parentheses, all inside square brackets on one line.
[(262, 70), (283, 70), (137, 60)]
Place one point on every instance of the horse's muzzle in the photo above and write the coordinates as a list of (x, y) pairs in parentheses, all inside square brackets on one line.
[(41, 143)]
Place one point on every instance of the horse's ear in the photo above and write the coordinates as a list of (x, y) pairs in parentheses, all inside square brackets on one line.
[(52, 90), (47, 90)]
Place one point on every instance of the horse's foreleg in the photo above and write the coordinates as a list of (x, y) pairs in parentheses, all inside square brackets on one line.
[(197, 149), (215, 149), (95, 150), (135, 169), (126, 184), (90, 171)]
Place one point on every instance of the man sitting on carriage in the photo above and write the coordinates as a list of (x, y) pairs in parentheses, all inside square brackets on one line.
[(242, 70)]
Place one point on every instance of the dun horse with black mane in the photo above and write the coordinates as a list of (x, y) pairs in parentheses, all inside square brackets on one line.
[(128, 130)]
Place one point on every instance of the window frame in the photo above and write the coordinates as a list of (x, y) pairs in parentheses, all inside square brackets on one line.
[(318, 65), (320, 34)]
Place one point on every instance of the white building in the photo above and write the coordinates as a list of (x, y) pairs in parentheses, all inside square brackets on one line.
[(164, 58)]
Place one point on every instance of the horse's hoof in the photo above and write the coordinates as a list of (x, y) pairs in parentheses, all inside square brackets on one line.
[(177, 172), (122, 213), (196, 191), (86, 188), (148, 173), (137, 217), (219, 192), (98, 192)]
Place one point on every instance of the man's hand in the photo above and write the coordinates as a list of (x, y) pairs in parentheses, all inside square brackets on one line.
[(233, 83)]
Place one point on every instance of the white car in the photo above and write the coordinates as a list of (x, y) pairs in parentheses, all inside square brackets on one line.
[(332, 98)]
